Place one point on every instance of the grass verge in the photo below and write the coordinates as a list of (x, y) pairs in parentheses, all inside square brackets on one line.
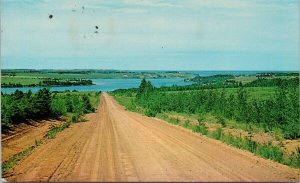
[(56, 129), (265, 150), (9, 164)]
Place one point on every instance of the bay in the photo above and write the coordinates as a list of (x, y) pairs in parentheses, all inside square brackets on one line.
[(104, 85)]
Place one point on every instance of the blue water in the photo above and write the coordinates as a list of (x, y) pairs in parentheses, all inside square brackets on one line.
[(104, 85)]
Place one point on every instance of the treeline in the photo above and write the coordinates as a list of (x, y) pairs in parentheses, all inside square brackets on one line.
[(58, 82), (12, 85), (260, 82), (215, 79), (278, 112), (264, 82), (19, 107), (52, 82)]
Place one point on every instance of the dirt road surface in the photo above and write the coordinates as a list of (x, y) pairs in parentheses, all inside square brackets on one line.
[(117, 145), (24, 137)]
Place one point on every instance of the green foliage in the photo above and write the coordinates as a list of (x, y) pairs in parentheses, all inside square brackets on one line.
[(150, 113), (297, 162), (270, 152), (279, 111), (250, 145), (267, 151), (144, 89), (217, 134), (42, 102), (261, 81), (54, 130), (19, 107), (132, 106), (9, 164), (87, 106), (174, 121), (221, 121), (127, 101), (186, 123), (200, 119), (200, 129), (59, 106), (75, 117), (232, 140), (216, 79)]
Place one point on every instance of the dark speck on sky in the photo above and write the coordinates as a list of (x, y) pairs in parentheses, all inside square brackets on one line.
[(96, 32), (96, 27), (50, 16)]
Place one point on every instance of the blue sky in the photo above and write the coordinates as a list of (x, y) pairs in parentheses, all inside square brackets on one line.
[(150, 35)]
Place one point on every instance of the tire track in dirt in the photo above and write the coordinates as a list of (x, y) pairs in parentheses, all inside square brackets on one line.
[(117, 145)]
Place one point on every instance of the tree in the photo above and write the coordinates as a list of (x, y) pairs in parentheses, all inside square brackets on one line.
[(144, 89), (281, 104), (69, 103), (87, 105), (242, 104), (42, 102), (18, 94)]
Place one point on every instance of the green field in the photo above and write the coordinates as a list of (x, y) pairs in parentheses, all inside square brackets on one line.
[(20, 80), (245, 79)]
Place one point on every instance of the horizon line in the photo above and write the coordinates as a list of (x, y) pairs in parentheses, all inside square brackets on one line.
[(160, 70)]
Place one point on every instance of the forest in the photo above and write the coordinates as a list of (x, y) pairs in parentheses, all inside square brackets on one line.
[(279, 111), (19, 107)]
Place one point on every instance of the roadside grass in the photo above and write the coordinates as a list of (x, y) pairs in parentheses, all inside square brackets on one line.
[(9, 164), (56, 129), (200, 129), (186, 124), (129, 103), (265, 150)]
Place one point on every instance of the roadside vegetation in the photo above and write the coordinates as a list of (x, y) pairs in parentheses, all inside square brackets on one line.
[(19, 107), (246, 106), (6, 166)]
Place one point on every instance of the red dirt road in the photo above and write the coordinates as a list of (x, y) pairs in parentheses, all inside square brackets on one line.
[(117, 145)]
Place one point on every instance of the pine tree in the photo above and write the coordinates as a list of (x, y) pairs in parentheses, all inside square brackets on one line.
[(87, 105), (42, 103)]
